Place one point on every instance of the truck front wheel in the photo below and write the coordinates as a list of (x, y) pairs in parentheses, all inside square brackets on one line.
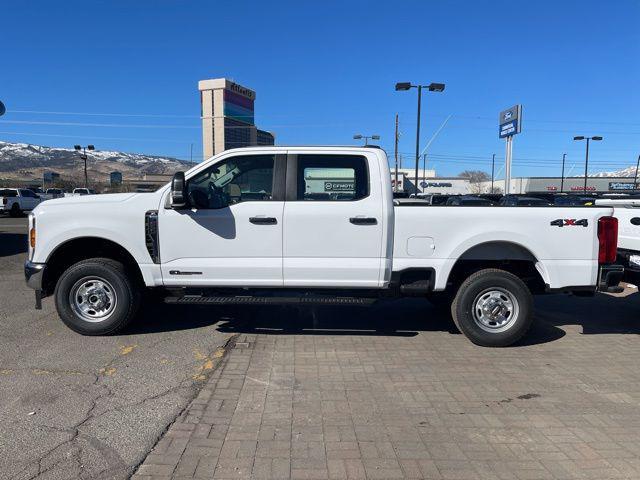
[(493, 308), (97, 297)]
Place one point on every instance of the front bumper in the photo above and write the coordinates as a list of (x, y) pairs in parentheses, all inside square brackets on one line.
[(33, 274), (609, 278)]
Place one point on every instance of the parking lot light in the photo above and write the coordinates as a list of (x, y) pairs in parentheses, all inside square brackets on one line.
[(432, 87), (366, 138), (586, 160)]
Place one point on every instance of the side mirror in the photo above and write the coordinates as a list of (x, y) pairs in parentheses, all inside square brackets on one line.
[(178, 191)]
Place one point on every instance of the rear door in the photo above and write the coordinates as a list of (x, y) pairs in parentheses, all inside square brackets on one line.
[(333, 221)]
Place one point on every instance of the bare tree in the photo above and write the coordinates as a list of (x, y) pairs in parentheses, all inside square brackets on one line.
[(475, 177)]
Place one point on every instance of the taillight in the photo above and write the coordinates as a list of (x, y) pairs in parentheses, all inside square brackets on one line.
[(607, 239)]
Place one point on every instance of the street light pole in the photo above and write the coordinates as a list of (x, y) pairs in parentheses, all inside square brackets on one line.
[(83, 156), (432, 87), (586, 160), (366, 138), (564, 156), (418, 136), (586, 166)]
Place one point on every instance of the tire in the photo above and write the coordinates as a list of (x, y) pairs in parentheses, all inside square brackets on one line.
[(493, 289), (15, 210), (97, 297)]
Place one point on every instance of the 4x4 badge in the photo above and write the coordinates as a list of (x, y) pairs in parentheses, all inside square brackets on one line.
[(570, 222)]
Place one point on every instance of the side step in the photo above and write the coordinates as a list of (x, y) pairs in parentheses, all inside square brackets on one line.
[(275, 300)]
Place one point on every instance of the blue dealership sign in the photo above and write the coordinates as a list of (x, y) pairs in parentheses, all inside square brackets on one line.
[(510, 121)]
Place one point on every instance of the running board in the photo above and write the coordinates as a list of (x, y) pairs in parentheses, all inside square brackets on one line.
[(251, 300)]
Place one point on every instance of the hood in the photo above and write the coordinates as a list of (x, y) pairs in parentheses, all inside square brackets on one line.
[(91, 199)]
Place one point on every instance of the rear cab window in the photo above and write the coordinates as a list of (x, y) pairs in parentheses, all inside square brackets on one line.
[(8, 192), (327, 178)]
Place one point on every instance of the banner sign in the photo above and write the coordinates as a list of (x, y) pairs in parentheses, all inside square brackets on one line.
[(622, 186)]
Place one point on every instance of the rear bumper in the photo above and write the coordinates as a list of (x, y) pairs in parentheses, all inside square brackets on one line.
[(609, 278)]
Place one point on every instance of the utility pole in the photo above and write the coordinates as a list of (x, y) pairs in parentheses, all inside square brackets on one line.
[(635, 180), (493, 169), (395, 184), (564, 156)]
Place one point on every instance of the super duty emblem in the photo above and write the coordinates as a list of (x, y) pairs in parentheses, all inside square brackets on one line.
[(570, 222)]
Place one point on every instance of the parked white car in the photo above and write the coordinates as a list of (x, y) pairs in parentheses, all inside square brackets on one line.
[(303, 225), (16, 201)]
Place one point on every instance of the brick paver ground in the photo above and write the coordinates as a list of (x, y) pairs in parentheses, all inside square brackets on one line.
[(341, 405)]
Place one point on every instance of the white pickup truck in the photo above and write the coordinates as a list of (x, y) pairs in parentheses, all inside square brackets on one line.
[(307, 225), (16, 201)]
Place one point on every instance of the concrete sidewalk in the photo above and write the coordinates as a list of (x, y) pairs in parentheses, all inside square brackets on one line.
[(429, 405)]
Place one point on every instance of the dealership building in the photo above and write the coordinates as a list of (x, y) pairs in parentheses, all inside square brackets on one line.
[(568, 185), (227, 112)]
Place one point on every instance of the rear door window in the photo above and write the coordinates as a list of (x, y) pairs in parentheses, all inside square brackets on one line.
[(326, 178)]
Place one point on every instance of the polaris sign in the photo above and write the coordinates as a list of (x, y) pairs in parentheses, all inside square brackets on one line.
[(510, 121)]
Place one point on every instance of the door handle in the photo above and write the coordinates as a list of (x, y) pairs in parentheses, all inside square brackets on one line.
[(263, 220), (363, 220), (635, 221)]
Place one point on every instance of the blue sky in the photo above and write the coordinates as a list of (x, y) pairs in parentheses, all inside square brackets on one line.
[(325, 70)]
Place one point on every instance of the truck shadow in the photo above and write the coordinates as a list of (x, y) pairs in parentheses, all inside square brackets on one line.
[(602, 314), (395, 318), (12, 244)]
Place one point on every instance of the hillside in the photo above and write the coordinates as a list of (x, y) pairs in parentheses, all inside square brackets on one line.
[(20, 160)]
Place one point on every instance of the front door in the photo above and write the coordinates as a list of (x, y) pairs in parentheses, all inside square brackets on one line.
[(333, 222), (231, 234)]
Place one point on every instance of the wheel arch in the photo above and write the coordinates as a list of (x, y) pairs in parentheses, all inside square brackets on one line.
[(504, 255), (82, 248)]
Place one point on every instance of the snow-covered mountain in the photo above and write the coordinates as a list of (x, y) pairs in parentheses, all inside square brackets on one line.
[(16, 157), (625, 172)]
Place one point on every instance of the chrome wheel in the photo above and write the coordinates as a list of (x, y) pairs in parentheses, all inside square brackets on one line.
[(495, 310), (93, 299)]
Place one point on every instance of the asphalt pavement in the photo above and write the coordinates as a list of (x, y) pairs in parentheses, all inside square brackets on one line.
[(91, 407)]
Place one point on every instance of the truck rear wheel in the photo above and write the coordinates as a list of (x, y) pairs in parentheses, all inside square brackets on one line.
[(97, 297), (493, 308)]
